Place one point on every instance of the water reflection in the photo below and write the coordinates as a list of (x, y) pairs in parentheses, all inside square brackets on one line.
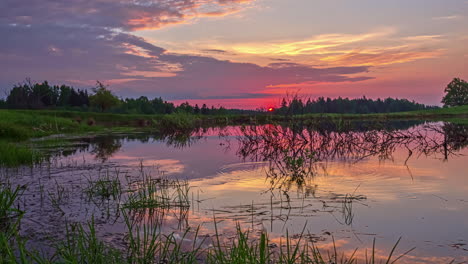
[(294, 153), (313, 174), (292, 149)]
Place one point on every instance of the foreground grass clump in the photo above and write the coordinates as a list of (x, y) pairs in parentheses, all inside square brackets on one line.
[(8, 197), (13, 155), (144, 243), (81, 245)]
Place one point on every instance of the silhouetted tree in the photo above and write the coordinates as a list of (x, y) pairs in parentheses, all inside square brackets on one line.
[(103, 97), (205, 110), (196, 109), (456, 93)]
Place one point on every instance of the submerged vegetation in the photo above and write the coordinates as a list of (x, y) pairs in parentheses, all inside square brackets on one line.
[(146, 244)]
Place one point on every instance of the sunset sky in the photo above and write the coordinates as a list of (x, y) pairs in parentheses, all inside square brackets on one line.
[(238, 53)]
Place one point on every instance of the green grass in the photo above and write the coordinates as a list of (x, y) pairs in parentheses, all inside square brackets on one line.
[(13, 155), (146, 245), (21, 125), (24, 124), (159, 193), (8, 197), (105, 187)]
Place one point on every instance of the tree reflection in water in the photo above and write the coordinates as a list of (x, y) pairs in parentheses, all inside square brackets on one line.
[(294, 153)]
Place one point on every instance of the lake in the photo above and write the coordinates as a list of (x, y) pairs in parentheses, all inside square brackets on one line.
[(327, 183)]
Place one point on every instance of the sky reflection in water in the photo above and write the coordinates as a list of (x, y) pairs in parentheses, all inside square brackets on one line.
[(238, 174)]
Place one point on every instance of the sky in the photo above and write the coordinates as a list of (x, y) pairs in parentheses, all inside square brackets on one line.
[(238, 53)]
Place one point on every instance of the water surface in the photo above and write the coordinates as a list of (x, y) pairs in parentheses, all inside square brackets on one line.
[(353, 183)]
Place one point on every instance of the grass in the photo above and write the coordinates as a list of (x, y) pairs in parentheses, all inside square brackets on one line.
[(21, 125), (8, 198), (145, 244), (82, 245), (105, 187), (13, 155), (16, 125), (159, 193)]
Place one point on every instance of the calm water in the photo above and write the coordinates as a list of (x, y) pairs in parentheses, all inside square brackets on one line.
[(356, 184)]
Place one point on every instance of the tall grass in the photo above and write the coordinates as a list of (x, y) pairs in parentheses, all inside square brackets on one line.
[(21, 125), (8, 198), (83, 246), (14, 155), (146, 245)]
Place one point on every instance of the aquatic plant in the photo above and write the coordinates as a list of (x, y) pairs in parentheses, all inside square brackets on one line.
[(105, 186), (14, 155), (158, 193)]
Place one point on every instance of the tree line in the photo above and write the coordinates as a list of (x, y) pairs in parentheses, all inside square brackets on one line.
[(30, 95), (298, 106), (456, 94)]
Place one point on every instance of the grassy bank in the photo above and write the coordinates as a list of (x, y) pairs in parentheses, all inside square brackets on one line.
[(51, 120), (20, 125)]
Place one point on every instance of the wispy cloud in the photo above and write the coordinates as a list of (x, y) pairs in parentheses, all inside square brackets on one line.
[(316, 45), (380, 47), (135, 66), (451, 17), (126, 15)]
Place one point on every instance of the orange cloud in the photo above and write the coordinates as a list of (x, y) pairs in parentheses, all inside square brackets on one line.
[(381, 57), (379, 47)]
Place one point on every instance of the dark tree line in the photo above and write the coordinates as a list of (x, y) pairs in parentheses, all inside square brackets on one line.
[(297, 106), (43, 95), (30, 95)]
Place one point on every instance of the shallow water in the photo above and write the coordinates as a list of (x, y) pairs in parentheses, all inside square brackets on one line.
[(355, 185)]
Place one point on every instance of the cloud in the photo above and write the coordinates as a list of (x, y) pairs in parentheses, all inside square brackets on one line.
[(80, 41), (314, 45), (451, 17), (125, 15), (134, 66), (382, 56), (375, 48)]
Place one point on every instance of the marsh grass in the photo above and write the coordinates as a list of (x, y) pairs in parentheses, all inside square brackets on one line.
[(158, 193), (14, 155), (105, 186), (145, 244), (347, 210), (20, 125), (81, 245), (9, 214), (178, 121), (58, 196)]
